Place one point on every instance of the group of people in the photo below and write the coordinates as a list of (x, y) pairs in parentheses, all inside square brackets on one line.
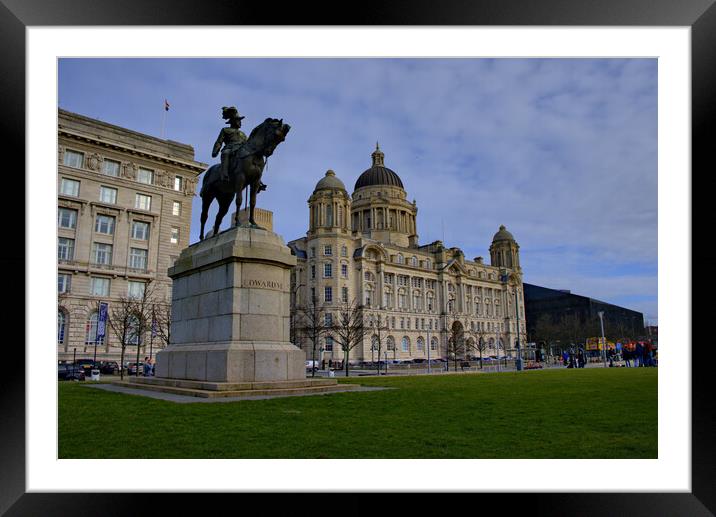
[(640, 354), (634, 355), (149, 367), (574, 358)]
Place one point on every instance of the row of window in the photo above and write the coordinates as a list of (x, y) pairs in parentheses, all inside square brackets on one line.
[(108, 195), (389, 345), (99, 286), (328, 294), (104, 224), (328, 251), (102, 252), (111, 168), (328, 270)]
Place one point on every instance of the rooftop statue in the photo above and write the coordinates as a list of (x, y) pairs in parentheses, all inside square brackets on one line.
[(242, 163)]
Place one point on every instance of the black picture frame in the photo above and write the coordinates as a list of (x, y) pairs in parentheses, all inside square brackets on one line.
[(700, 15)]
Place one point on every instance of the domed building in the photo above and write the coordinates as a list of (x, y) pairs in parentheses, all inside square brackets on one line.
[(363, 249)]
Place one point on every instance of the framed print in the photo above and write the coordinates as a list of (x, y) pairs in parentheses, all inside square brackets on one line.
[(132, 30)]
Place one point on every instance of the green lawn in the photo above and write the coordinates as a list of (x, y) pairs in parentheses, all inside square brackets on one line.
[(584, 413)]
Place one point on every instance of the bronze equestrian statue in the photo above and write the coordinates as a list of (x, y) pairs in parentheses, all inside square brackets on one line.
[(243, 160)]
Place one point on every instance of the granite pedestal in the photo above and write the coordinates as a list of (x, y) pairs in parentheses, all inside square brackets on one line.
[(230, 318)]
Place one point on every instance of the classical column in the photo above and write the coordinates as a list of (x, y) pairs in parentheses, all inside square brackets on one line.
[(381, 283), (459, 292)]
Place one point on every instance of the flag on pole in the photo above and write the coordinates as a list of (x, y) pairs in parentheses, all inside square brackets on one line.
[(166, 105)]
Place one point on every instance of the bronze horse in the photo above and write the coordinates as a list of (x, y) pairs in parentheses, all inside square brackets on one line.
[(245, 168)]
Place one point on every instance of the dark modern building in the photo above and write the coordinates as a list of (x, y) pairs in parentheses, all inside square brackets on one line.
[(559, 304)]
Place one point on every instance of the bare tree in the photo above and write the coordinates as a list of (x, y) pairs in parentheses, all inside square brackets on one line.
[(456, 342), (162, 322), (312, 323), (480, 344), (143, 311), (377, 328), (121, 320), (348, 330)]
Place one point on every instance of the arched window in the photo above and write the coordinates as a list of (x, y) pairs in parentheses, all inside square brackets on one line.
[(434, 344), (374, 343), (91, 330), (329, 215), (414, 261), (421, 344), (406, 344), (61, 327), (390, 343), (400, 258)]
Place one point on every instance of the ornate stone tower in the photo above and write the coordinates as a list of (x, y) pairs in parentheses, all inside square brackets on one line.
[(504, 250), (329, 206), (380, 210)]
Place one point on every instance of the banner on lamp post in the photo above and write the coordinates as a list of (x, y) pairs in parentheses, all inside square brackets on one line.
[(102, 321)]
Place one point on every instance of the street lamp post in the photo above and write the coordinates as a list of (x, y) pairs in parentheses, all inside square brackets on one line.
[(604, 341), (518, 361), (428, 345)]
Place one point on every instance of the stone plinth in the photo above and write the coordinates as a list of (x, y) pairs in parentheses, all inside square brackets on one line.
[(230, 311)]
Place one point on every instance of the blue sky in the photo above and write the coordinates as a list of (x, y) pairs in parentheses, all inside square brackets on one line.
[(561, 151)]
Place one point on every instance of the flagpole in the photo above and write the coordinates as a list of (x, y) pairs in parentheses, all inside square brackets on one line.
[(164, 119)]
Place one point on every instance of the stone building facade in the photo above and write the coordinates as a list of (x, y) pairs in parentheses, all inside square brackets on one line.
[(363, 248), (124, 204)]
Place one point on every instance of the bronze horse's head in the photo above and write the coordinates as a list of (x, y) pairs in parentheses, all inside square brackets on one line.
[(275, 134)]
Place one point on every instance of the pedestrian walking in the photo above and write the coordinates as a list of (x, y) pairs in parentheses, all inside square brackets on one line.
[(627, 356), (639, 355), (580, 358), (647, 354)]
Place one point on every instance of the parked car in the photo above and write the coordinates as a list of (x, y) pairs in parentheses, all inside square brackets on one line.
[(108, 367), (85, 365), (69, 372), (132, 368), (419, 360), (312, 365)]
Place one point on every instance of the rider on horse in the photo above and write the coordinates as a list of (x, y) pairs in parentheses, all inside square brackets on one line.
[(232, 138)]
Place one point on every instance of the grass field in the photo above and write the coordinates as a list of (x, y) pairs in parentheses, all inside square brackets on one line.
[(583, 413)]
